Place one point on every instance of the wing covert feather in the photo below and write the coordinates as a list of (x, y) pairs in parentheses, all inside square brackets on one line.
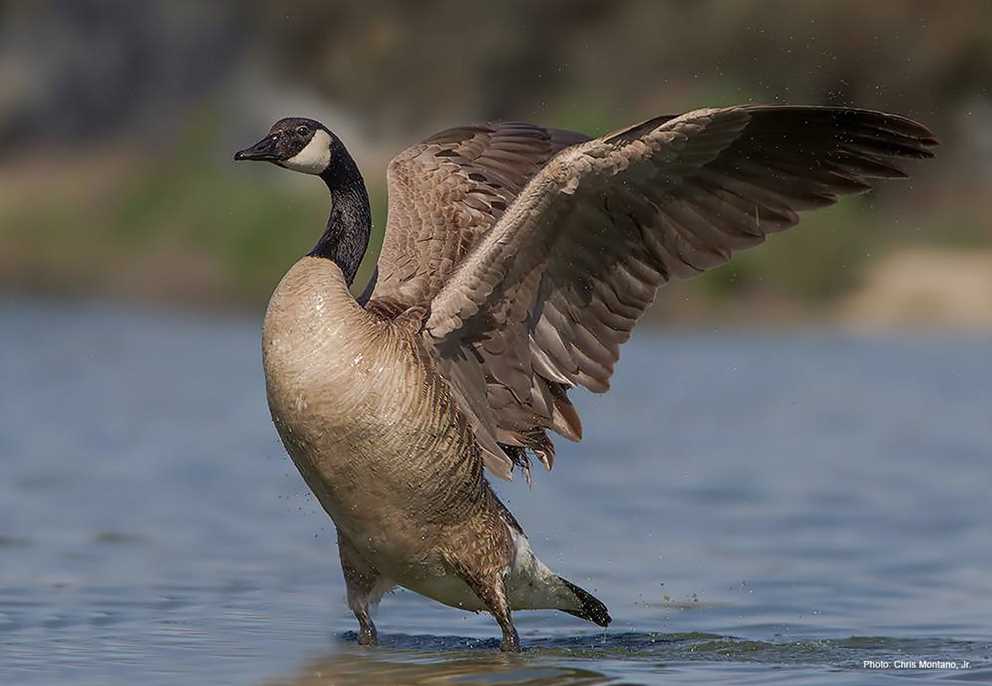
[(445, 195)]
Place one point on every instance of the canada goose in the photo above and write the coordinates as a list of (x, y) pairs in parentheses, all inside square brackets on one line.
[(516, 260)]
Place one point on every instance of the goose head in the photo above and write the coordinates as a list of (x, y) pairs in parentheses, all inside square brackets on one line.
[(295, 143)]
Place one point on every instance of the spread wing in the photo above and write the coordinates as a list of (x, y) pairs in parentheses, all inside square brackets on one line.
[(535, 296)]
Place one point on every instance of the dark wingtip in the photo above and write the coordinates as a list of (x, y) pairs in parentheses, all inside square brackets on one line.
[(590, 608)]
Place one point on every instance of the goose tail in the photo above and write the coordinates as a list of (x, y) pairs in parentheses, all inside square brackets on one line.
[(532, 586), (588, 606)]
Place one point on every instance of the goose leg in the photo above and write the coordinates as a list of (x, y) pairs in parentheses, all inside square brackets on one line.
[(491, 590), (501, 611), (365, 588)]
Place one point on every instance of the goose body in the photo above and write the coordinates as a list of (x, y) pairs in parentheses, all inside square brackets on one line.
[(516, 261), (378, 438)]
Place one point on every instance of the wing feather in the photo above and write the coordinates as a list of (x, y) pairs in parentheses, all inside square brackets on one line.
[(545, 293)]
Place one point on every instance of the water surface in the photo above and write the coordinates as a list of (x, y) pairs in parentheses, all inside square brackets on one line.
[(753, 509)]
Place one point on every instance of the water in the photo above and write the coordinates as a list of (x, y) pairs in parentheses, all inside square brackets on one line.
[(752, 508)]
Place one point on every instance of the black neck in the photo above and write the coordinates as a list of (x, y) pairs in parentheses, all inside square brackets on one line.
[(350, 224)]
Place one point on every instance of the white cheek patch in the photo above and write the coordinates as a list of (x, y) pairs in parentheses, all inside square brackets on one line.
[(314, 158)]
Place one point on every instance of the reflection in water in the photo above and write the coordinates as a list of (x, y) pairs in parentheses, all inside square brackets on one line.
[(428, 659), (359, 667)]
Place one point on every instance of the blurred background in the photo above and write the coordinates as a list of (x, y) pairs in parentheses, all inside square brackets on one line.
[(118, 120), (790, 476)]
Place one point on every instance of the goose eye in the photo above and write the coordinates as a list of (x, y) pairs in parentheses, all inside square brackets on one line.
[(303, 130)]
